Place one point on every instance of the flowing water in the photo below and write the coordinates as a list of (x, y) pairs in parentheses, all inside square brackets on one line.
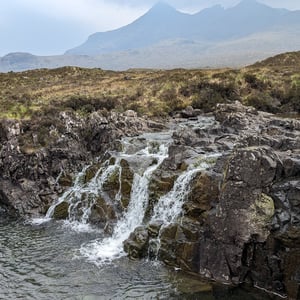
[(72, 259)]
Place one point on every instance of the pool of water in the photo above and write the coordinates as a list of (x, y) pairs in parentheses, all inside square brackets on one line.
[(44, 262)]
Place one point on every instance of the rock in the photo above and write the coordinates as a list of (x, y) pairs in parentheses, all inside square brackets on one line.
[(61, 211), (47, 151), (102, 212), (126, 182), (188, 112), (154, 228), (137, 244), (130, 114), (204, 192)]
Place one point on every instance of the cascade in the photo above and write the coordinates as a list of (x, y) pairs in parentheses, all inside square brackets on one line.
[(144, 155), (169, 206), (82, 196), (105, 250)]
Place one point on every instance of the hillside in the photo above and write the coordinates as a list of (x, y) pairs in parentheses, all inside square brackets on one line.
[(284, 60), (272, 85)]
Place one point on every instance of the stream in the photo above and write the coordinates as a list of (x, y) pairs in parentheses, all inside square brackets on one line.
[(74, 259)]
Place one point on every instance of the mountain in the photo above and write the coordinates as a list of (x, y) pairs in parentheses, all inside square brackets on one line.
[(166, 38), (163, 22)]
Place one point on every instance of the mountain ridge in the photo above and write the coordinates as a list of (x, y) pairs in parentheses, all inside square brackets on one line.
[(163, 22), (166, 38)]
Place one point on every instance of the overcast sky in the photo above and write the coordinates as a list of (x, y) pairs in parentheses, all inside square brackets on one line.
[(44, 27)]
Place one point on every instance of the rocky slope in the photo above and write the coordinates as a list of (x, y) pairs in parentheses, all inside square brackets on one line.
[(240, 219)]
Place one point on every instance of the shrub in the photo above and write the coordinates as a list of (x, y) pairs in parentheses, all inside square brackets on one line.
[(263, 101)]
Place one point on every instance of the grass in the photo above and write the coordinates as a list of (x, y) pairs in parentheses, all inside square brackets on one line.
[(272, 85)]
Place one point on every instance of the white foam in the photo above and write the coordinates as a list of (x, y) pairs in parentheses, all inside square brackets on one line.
[(38, 221), (79, 226), (111, 248)]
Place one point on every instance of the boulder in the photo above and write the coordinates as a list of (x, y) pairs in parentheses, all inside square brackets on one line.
[(61, 211)]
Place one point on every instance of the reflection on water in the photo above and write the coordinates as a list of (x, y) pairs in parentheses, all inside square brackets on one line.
[(44, 262)]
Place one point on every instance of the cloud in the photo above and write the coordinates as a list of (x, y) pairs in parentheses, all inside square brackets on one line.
[(90, 13)]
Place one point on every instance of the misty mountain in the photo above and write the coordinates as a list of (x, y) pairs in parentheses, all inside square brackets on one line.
[(161, 22), (215, 24), (167, 38)]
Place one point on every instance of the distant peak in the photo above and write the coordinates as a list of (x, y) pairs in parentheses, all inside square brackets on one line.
[(249, 3), (13, 54), (162, 6)]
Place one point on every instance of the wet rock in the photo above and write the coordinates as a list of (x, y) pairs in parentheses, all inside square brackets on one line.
[(102, 212), (65, 180), (160, 184), (204, 193), (48, 153), (112, 184), (154, 228), (137, 244), (190, 112), (61, 211), (126, 182)]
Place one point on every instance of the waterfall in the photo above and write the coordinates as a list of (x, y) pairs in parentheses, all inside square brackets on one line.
[(105, 250), (168, 207), (144, 155), (82, 196)]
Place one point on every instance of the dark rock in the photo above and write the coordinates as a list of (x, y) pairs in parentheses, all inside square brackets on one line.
[(137, 244), (189, 112), (154, 228), (126, 182), (61, 211), (102, 212)]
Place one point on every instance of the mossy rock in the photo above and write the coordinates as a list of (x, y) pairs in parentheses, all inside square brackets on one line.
[(260, 215), (102, 212), (126, 183), (112, 184), (204, 190), (65, 180), (91, 172), (158, 187), (61, 211), (265, 207)]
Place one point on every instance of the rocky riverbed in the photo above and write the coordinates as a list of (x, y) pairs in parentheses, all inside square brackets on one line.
[(234, 177)]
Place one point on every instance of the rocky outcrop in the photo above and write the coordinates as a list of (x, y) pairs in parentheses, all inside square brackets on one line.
[(240, 222), (39, 158)]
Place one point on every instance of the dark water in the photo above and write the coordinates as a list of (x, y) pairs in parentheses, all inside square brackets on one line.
[(43, 262)]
